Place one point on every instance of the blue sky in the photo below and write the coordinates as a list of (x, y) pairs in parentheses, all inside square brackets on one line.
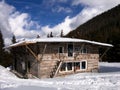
[(29, 18), (46, 12)]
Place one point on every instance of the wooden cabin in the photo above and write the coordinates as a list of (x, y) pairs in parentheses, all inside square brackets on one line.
[(52, 57)]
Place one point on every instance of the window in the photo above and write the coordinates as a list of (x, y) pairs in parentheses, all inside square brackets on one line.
[(60, 50), (70, 50), (69, 66), (63, 67), (80, 65), (66, 66), (77, 65), (83, 65), (84, 50)]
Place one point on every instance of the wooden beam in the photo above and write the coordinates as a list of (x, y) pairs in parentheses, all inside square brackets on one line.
[(58, 69), (34, 55), (104, 53)]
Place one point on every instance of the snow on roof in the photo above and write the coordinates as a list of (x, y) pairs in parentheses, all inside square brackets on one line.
[(57, 39)]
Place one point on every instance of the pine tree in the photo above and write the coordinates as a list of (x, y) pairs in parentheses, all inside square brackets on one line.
[(1, 40), (51, 34), (61, 35), (38, 36), (48, 36), (13, 39), (1, 48)]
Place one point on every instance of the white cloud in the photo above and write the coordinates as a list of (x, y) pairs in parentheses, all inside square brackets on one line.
[(65, 25), (61, 9), (20, 25), (5, 11), (14, 22), (99, 4)]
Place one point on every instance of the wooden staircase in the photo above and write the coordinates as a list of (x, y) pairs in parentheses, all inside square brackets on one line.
[(55, 69), (46, 66), (49, 69)]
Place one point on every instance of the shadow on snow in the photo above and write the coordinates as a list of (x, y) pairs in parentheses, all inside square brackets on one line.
[(106, 69)]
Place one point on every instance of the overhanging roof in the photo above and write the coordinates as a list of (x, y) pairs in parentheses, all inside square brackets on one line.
[(56, 39)]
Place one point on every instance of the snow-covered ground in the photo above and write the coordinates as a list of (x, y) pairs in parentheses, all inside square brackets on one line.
[(108, 78)]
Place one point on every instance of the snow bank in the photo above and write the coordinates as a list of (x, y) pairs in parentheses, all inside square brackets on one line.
[(6, 73), (82, 81), (109, 67)]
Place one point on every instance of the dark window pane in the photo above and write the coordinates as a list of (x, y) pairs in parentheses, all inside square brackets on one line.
[(70, 50), (83, 65), (69, 66), (63, 67), (60, 49)]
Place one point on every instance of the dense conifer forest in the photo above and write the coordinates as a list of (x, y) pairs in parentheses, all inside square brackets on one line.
[(103, 28)]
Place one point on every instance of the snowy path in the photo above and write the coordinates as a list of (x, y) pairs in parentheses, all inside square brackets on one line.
[(107, 79)]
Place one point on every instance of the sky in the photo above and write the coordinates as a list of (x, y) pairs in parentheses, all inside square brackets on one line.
[(29, 18)]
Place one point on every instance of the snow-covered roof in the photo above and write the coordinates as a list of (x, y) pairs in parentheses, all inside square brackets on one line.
[(57, 39)]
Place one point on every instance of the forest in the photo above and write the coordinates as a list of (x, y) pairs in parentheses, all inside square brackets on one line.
[(102, 28), (6, 56)]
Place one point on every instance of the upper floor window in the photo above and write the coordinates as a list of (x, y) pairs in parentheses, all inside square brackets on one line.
[(84, 50), (70, 50), (60, 50)]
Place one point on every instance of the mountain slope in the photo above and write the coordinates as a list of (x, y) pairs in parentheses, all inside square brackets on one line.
[(103, 28)]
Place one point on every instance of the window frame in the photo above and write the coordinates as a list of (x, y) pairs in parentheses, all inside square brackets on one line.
[(74, 66), (66, 68)]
